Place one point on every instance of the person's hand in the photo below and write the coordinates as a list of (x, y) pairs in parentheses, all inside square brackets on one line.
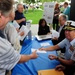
[(49, 33), (23, 19), (60, 68), (55, 14), (42, 49), (17, 29), (55, 38), (33, 55), (52, 57), (22, 33)]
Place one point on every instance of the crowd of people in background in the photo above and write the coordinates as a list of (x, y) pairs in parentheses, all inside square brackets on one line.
[(57, 12)]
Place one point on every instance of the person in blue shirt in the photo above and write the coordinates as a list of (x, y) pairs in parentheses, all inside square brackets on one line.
[(66, 10), (69, 43), (19, 16)]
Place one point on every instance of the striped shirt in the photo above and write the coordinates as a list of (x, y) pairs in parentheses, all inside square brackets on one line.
[(8, 56)]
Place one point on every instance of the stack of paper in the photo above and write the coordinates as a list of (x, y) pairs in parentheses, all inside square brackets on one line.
[(45, 44), (38, 51), (16, 25), (55, 33), (43, 37), (25, 30)]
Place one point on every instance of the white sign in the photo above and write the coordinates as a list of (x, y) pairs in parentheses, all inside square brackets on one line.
[(48, 12)]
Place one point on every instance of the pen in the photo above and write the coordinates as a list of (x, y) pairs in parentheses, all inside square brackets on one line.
[(41, 47)]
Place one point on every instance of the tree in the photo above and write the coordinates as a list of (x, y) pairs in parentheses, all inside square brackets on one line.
[(29, 1), (51, 0)]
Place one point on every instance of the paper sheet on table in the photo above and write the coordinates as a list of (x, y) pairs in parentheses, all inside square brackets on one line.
[(16, 25), (25, 30), (45, 44), (55, 33), (43, 37), (38, 51)]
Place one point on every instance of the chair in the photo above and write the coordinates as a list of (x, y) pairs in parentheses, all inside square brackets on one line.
[(50, 72)]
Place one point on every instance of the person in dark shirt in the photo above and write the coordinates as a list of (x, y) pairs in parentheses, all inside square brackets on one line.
[(19, 16), (43, 28), (56, 15), (62, 19)]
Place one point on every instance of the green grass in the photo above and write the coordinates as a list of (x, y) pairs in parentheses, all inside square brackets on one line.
[(35, 15)]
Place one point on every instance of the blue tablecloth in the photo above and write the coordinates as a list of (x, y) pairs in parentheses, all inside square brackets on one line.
[(32, 66)]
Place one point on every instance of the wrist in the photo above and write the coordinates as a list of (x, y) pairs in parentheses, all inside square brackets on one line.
[(46, 49), (30, 56), (57, 58), (21, 20)]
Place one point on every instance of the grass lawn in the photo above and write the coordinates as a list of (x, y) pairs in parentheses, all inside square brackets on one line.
[(34, 15)]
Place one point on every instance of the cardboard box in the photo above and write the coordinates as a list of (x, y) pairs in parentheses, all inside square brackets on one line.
[(50, 72)]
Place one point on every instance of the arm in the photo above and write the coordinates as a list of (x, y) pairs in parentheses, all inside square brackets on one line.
[(55, 38), (19, 21), (64, 61), (55, 47), (22, 33), (51, 48), (9, 57), (60, 67), (25, 58)]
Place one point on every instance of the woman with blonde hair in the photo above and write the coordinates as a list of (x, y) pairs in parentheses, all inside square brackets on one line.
[(56, 15)]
